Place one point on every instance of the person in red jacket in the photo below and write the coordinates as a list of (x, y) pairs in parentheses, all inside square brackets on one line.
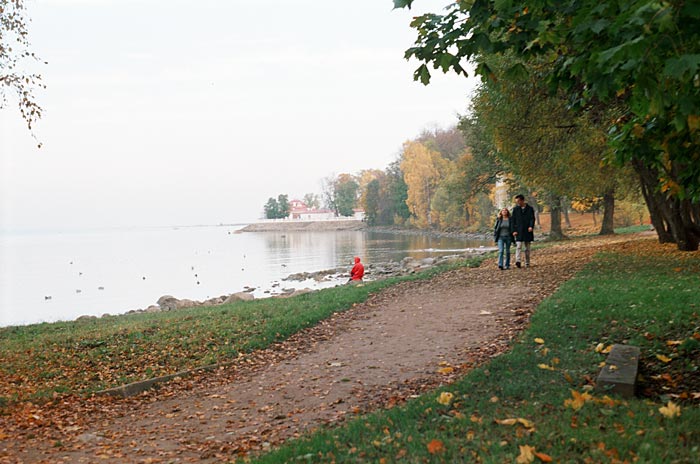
[(358, 270)]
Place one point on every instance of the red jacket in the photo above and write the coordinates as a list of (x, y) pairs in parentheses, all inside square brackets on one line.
[(358, 270)]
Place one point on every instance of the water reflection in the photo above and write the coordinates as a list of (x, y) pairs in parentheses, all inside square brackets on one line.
[(325, 250)]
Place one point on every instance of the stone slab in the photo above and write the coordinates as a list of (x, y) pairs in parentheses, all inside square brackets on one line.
[(619, 375), (136, 388)]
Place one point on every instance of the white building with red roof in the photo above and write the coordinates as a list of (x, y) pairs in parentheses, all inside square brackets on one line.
[(298, 211)]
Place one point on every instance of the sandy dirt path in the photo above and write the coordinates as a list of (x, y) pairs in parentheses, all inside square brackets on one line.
[(374, 355)]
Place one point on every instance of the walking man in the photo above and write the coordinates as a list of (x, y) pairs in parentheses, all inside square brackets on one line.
[(523, 217)]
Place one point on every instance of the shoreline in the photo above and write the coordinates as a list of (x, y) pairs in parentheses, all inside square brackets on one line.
[(333, 277), (304, 226), (352, 225)]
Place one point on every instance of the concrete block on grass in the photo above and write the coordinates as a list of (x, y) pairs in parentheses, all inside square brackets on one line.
[(619, 375)]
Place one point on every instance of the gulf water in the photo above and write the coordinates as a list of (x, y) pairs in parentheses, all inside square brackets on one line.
[(51, 276)]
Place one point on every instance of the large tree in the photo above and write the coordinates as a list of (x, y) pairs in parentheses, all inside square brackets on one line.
[(543, 142), (640, 55), (340, 193), (272, 209), (423, 170), (14, 52)]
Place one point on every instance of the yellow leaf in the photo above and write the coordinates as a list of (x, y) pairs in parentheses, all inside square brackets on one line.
[(436, 446), (607, 349), (527, 455), (599, 347), (445, 398), (555, 361), (663, 358), (443, 363), (671, 410), (545, 351), (543, 457), (476, 419), (507, 421), (539, 340), (445, 370), (526, 423), (673, 342), (546, 367), (470, 435), (577, 400), (494, 399)]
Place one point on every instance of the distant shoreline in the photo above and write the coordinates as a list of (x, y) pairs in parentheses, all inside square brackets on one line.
[(310, 226), (352, 225)]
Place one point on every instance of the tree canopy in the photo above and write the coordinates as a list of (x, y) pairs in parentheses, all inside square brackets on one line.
[(639, 55)]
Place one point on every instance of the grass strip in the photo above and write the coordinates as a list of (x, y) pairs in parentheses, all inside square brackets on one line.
[(43, 360), (533, 404)]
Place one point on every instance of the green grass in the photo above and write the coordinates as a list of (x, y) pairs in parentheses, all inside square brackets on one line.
[(42, 360), (640, 300), (633, 229)]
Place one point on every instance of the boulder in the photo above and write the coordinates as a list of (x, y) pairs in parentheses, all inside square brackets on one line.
[(301, 291), (164, 298), (168, 303), (240, 296), (185, 303)]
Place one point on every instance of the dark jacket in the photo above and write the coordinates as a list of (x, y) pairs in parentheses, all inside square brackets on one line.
[(522, 219), (497, 228)]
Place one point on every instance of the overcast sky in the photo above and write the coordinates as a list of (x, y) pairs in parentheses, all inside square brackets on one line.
[(173, 113)]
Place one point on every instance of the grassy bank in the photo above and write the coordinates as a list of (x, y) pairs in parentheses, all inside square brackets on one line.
[(533, 404), (42, 360)]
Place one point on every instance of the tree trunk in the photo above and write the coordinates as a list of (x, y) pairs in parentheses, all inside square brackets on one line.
[(608, 226), (647, 182), (556, 232), (674, 220), (565, 210), (532, 201)]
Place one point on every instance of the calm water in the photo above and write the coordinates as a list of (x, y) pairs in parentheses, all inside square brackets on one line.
[(114, 271)]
